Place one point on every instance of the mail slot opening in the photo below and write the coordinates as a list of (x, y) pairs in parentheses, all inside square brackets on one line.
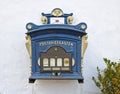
[(56, 74), (56, 59)]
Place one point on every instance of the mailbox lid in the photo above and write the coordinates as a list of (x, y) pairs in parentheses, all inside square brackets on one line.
[(35, 30)]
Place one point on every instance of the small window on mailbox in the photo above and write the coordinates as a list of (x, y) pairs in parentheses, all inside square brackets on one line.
[(56, 59)]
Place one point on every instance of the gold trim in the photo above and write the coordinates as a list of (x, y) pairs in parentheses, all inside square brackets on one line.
[(69, 19), (44, 19), (57, 12), (39, 61), (73, 61), (28, 45), (83, 26), (29, 26), (84, 45)]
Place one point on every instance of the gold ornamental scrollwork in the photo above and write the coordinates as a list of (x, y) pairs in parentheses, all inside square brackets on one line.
[(57, 12), (84, 45), (69, 19), (28, 45), (44, 19)]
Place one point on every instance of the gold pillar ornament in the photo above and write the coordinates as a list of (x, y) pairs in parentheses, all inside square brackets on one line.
[(84, 45), (28, 45)]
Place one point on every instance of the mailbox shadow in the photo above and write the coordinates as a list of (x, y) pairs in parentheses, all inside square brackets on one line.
[(56, 87)]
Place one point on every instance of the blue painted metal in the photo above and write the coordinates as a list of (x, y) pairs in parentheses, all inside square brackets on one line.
[(66, 36)]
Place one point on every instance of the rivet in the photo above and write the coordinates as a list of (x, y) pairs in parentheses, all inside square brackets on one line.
[(56, 49), (29, 26), (83, 26)]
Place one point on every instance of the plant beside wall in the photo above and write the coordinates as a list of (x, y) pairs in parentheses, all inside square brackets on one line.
[(108, 80)]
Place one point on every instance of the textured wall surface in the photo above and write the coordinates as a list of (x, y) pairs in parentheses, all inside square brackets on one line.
[(103, 20)]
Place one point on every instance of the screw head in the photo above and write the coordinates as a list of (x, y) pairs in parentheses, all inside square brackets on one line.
[(83, 26), (29, 26)]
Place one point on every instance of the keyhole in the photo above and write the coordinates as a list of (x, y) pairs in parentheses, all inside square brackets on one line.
[(56, 74)]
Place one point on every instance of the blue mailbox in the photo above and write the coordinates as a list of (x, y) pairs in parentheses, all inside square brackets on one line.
[(56, 48)]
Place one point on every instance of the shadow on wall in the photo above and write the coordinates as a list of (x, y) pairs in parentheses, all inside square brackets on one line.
[(56, 87)]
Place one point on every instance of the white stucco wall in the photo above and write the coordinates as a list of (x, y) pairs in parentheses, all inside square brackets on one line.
[(103, 20)]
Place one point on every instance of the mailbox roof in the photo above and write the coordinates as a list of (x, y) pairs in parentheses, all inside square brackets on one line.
[(32, 28)]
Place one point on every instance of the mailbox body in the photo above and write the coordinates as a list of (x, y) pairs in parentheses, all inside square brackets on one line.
[(56, 52)]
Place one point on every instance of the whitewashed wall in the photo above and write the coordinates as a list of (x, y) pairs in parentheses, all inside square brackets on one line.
[(103, 20)]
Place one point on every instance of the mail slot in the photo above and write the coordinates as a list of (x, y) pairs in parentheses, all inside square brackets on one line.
[(56, 48)]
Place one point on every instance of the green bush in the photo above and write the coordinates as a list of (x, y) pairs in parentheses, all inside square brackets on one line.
[(108, 80)]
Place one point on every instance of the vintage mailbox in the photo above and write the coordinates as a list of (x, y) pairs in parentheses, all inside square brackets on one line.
[(56, 48)]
